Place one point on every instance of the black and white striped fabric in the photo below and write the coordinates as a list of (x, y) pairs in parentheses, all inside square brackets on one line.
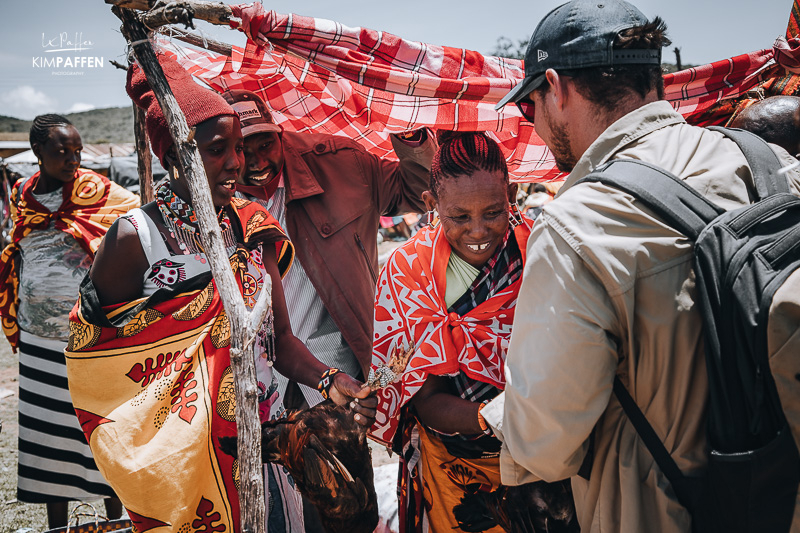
[(55, 462)]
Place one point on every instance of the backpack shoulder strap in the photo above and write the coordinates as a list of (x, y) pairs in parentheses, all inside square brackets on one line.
[(762, 160), (686, 489), (677, 204)]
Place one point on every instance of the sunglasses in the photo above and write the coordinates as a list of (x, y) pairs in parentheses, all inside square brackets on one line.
[(527, 108)]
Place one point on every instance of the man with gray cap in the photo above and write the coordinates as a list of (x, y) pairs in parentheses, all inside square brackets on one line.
[(608, 288)]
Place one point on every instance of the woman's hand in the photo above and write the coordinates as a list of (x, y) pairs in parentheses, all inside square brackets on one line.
[(362, 401)]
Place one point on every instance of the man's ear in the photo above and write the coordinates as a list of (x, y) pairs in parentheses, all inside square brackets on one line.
[(558, 88), (430, 201)]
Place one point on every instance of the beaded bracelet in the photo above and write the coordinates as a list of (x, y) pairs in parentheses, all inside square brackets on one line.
[(482, 421), (326, 382)]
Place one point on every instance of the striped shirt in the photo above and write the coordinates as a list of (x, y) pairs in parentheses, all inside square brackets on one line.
[(311, 322)]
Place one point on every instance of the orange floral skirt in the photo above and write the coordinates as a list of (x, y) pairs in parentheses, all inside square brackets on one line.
[(447, 479)]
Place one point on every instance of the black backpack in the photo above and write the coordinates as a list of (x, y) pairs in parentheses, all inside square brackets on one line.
[(741, 258)]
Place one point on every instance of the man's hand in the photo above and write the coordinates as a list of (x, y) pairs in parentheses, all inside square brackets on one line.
[(362, 401)]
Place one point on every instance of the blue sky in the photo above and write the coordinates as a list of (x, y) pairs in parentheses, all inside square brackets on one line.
[(705, 30)]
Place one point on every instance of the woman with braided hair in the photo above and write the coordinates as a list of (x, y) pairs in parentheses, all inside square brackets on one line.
[(450, 292), (60, 215)]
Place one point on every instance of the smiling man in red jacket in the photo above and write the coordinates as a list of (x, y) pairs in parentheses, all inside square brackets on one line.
[(328, 193)]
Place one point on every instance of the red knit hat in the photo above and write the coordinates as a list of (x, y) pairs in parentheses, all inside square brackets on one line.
[(197, 103)]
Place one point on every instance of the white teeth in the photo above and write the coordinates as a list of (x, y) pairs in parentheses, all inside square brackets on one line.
[(478, 247), (262, 177)]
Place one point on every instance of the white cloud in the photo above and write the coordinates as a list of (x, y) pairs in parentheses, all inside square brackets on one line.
[(26, 102), (80, 107)]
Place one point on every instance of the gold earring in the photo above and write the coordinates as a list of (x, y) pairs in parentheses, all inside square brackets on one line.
[(39, 161), (433, 218)]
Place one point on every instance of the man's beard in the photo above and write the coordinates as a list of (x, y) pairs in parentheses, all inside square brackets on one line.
[(561, 146)]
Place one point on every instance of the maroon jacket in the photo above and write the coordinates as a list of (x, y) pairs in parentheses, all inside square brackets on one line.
[(336, 192)]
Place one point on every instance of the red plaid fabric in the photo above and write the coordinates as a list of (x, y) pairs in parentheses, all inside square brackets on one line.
[(318, 75)]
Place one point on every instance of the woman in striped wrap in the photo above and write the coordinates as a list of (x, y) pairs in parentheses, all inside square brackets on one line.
[(60, 215)]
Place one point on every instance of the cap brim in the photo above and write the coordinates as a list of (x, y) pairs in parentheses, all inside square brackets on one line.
[(264, 127), (520, 90)]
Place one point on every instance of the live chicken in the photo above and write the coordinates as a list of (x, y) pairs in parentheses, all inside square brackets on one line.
[(326, 452)]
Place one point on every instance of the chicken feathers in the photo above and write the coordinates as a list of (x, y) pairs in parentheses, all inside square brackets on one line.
[(326, 452)]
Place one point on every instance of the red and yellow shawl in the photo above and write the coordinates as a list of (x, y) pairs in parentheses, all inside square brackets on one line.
[(153, 389), (91, 203), (410, 308)]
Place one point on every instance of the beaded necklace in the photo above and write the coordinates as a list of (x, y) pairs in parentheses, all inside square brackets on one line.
[(181, 221)]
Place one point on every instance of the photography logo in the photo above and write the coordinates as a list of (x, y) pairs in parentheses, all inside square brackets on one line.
[(67, 54)]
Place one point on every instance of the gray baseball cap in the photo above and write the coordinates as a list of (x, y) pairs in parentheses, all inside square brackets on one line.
[(580, 34)]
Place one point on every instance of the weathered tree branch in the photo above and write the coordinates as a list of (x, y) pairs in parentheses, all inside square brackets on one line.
[(145, 160), (209, 44), (251, 493), (161, 13)]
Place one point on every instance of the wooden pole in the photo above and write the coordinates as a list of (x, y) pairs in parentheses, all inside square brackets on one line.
[(209, 44), (244, 325), (145, 159), (6, 238), (678, 64), (180, 12)]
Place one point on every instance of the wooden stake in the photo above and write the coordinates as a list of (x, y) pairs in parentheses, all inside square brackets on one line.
[(145, 160), (180, 12), (244, 325), (7, 216), (209, 44)]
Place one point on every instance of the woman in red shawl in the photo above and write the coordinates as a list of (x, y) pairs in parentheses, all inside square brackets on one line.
[(450, 293)]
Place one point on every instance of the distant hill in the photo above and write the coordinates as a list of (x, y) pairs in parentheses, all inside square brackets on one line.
[(110, 125)]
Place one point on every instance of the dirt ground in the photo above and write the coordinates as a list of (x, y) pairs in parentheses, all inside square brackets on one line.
[(14, 516)]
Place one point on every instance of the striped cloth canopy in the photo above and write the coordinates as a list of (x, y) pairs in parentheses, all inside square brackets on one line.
[(318, 75)]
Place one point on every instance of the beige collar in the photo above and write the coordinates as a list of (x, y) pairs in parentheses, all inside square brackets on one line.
[(625, 131)]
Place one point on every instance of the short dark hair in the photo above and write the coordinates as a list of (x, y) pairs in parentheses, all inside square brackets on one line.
[(40, 129), (607, 87), (464, 153)]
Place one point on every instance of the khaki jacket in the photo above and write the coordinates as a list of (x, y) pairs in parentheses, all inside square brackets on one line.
[(336, 192), (608, 290)]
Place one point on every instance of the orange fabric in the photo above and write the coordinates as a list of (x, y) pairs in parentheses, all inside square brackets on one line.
[(410, 309), (153, 389), (91, 203), (445, 480)]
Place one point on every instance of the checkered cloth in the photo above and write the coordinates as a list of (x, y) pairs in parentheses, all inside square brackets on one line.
[(318, 75), (695, 91)]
